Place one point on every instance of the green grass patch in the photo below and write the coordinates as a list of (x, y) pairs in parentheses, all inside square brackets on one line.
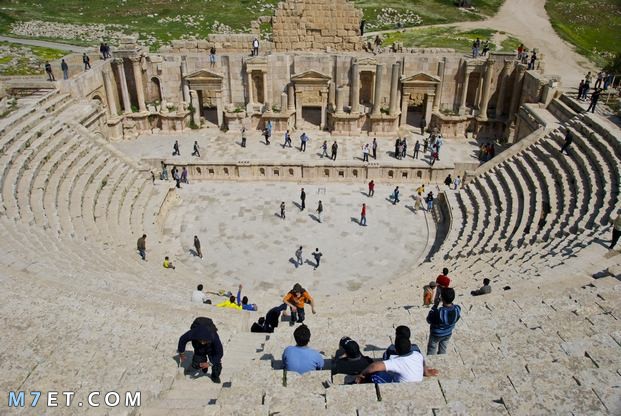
[(431, 11), (510, 44), (593, 26), (26, 60), (441, 37), (165, 20)]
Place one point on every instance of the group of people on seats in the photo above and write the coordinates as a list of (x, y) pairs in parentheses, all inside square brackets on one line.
[(402, 361)]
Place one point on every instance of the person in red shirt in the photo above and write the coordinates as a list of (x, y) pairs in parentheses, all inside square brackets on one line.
[(442, 281), (363, 215), (371, 188)]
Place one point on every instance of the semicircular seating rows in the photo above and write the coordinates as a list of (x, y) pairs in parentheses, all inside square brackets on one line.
[(539, 207), (84, 313)]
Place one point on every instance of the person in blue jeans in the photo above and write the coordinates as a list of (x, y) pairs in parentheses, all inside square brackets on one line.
[(442, 321)]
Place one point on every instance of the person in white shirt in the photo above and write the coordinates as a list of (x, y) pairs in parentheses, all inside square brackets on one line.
[(406, 367), (198, 296), (255, 47), (457, 182)]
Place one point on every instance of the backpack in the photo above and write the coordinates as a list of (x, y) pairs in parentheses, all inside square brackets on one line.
[(203, 321)]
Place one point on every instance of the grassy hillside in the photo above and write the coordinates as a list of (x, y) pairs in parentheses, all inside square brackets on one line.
[(593, 26), (162, 20)]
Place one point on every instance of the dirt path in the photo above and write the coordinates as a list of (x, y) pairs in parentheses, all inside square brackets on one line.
[(528, 21), (44, 44)]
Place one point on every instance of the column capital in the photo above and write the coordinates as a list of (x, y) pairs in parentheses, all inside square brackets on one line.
[(118, 61), (135, 59)]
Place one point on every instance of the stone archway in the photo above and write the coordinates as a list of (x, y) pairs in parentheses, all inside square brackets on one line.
[(206, 93), (311, 92), (418, 93)]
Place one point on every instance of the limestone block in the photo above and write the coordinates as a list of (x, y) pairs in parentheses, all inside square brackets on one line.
[(202, 44)]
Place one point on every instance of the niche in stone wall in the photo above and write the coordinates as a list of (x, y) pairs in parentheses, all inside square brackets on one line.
[(257, 87), (366, 87)]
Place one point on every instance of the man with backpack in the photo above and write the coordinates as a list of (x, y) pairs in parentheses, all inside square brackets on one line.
[(207, 347)]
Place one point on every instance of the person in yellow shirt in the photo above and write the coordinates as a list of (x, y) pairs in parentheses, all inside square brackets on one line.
[(168, 264), (229, 303), (296, 299)]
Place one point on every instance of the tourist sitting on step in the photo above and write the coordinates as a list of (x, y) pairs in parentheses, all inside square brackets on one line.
[(231, 302), (442, 281), (401, 331), (206, 343), (198, 296), (429, 293), (270, 321), (300, 358), (348, 358), (243, 302), (405, 367), (484, 290), (297, 298), (168, 264), (442, 322)]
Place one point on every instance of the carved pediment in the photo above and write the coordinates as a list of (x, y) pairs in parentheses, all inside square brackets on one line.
[(420, 78), (311, 77), (204, 75), (366, 62)]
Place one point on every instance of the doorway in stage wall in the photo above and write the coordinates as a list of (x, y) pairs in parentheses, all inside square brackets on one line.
[(415, 115), (312, 116), (210, 114)]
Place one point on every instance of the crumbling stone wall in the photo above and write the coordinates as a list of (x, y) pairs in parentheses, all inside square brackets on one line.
[(317, 25)]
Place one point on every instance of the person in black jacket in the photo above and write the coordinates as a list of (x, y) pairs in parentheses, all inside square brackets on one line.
[(349, 360), (206, 343)]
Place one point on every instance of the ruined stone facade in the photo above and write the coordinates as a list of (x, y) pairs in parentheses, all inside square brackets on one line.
[(344, 92), (314, 25)]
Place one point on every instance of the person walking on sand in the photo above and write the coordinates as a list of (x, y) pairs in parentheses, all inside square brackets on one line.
[(371, 188), (365, 153), (363, 215), (302, 200), (298, 257), (282, 210), (48, 71), (197, 247), (319, 211), (317, 256), (324, 149), (374, 148)]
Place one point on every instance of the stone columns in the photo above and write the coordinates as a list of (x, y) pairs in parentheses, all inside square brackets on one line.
[(283, 102), (331, 94), (517, 86), (184, 84), (438, 97), (501, 89), (298, 110), (110, 94), (291, 97), (464, 91), (394, 88), (339, 100), (324, 108), (428, 107), (405, 101), (250, 89), (355, 89), (377, 102), (266, 101), (197, 107), (138, 82), (127, 107), (219, 109), (487, 83)]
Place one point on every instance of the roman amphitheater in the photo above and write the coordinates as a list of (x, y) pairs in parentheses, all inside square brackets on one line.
[(81, 311)]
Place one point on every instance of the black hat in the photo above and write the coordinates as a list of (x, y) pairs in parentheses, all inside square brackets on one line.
[(352, 349)]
